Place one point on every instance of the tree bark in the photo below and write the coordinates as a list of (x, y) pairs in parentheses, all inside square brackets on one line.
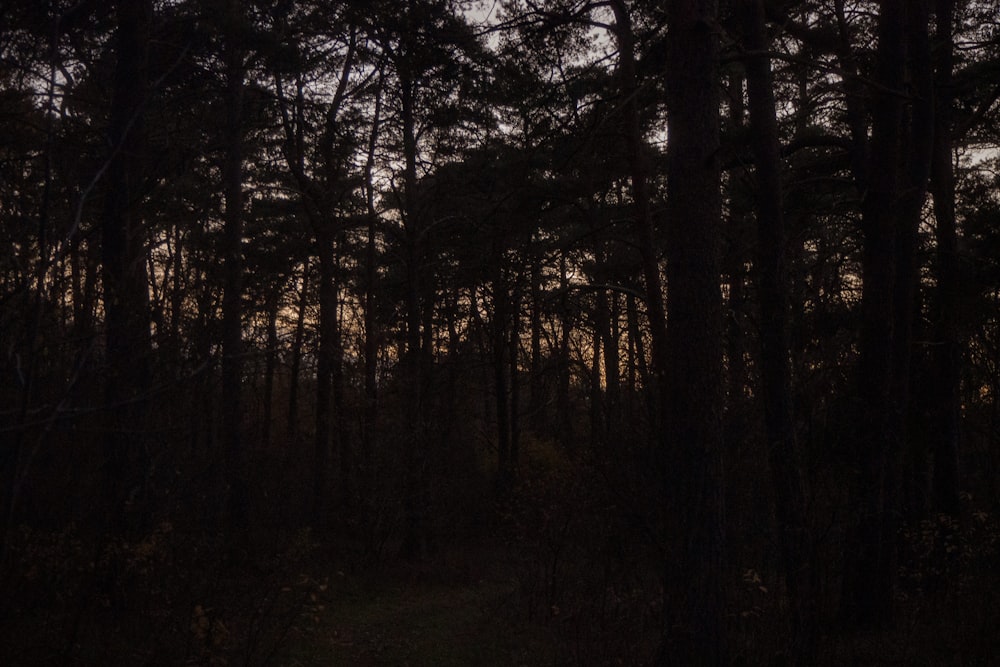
[(596, 398), (776, 376), (564, 420), (499, 348), (232, 299), (736, 258), (123, 258), (325, 359), (513, 355), (638, 370), (891, 210), (270, 365), (372, 327), (415, 364), (298, 338), (694, 631), (612, 367), (537, 397), (947, 387)]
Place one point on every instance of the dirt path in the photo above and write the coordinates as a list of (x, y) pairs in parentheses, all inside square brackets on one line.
[(430, 618)]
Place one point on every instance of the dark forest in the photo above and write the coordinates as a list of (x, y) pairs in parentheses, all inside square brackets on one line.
[(503, 332)]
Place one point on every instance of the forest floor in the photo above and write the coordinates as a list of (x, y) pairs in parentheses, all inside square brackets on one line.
[(417, 616), (473, 603), (484, 601), (434, 615), (472, 607), (555, 577)]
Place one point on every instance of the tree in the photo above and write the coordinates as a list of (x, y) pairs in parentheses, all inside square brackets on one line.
[(234, 66), (644, 226), (431, 55), (890, 216), (123, 257), (773, 294), (316, 151), (948, 377), (694, 616)]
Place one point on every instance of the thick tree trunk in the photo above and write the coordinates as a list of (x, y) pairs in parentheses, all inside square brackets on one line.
[(891, 211), (736, 257), (948, 372), (11, 447), (917, 153), (695, 629), (776, 382), (868, 588), (232, 299), (123, 250)]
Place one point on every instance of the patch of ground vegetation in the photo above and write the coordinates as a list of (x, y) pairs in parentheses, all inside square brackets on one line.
[(555, 576)]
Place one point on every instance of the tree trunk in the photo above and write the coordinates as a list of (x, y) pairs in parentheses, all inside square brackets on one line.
[(596, 399), (177, 291), (11, 449), (123, 257), (638, 369), (776, 382), (325, 355), (537, 398), (372, 330), (612, 367), (416, 367), (917, 154), (735, 260), (232, 300), (867, 598), (340, 432), (499, 348), (890, 215), (296, 363), (270, 365), (947, 387), (694, 630), (514, 345), (564, 420)]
